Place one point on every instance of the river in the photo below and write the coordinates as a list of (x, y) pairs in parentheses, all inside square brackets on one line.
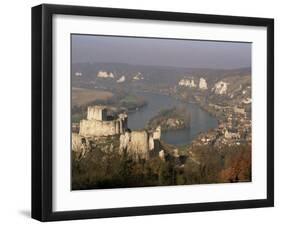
[(201, 121)]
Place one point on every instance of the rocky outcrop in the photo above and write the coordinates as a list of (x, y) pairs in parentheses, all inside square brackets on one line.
[(247, 100), (220, 88), (203, 84), (80, 146), (138, 76), (187, 83), (78, 74), (104, 74), (121, 79)]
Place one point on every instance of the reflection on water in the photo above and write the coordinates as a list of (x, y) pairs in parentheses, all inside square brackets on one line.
[(200, 120)]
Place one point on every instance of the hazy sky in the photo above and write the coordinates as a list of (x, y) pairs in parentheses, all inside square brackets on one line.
[(166, 52)]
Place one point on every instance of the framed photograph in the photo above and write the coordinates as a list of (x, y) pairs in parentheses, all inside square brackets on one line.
[(145, 112)]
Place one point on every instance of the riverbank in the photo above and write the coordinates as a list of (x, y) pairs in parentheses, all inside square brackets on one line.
[(200, 120)]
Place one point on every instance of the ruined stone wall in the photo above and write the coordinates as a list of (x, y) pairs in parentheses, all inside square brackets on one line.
[(100, 128), (97, 123), (76, 142), (157, 133), (139, 144), (80, 146), (150, 142), (136, 144)]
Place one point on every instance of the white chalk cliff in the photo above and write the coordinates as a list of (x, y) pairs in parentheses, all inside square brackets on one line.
[(78, 74), (188, 83), (203, 84), (104, 74), (138, 76), (121, 79), (220, 88)]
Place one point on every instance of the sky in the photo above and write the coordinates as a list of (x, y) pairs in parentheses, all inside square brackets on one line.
[(160, 52)]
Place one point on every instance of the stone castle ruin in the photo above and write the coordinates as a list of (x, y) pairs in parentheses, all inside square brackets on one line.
[(140, 144), (99, 123), (104, 122)]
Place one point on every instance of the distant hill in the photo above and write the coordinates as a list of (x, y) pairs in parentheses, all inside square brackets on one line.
[(94, 75)]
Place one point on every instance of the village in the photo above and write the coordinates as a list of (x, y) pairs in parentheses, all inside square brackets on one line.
[(232, 109), (234, 127)]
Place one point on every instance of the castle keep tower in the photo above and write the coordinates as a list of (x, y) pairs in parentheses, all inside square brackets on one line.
[(97, 113), (99, 124)]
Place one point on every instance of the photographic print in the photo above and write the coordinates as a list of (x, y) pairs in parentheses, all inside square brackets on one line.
[(130, 105), (159, 112)]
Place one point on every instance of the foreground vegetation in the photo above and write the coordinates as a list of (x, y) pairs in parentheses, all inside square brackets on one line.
[(203, 165)]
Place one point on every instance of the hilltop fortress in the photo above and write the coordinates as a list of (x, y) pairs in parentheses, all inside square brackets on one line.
[(99, 123), (103, 122)]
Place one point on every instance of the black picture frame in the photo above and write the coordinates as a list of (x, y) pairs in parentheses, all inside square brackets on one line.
[(42, 107)]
